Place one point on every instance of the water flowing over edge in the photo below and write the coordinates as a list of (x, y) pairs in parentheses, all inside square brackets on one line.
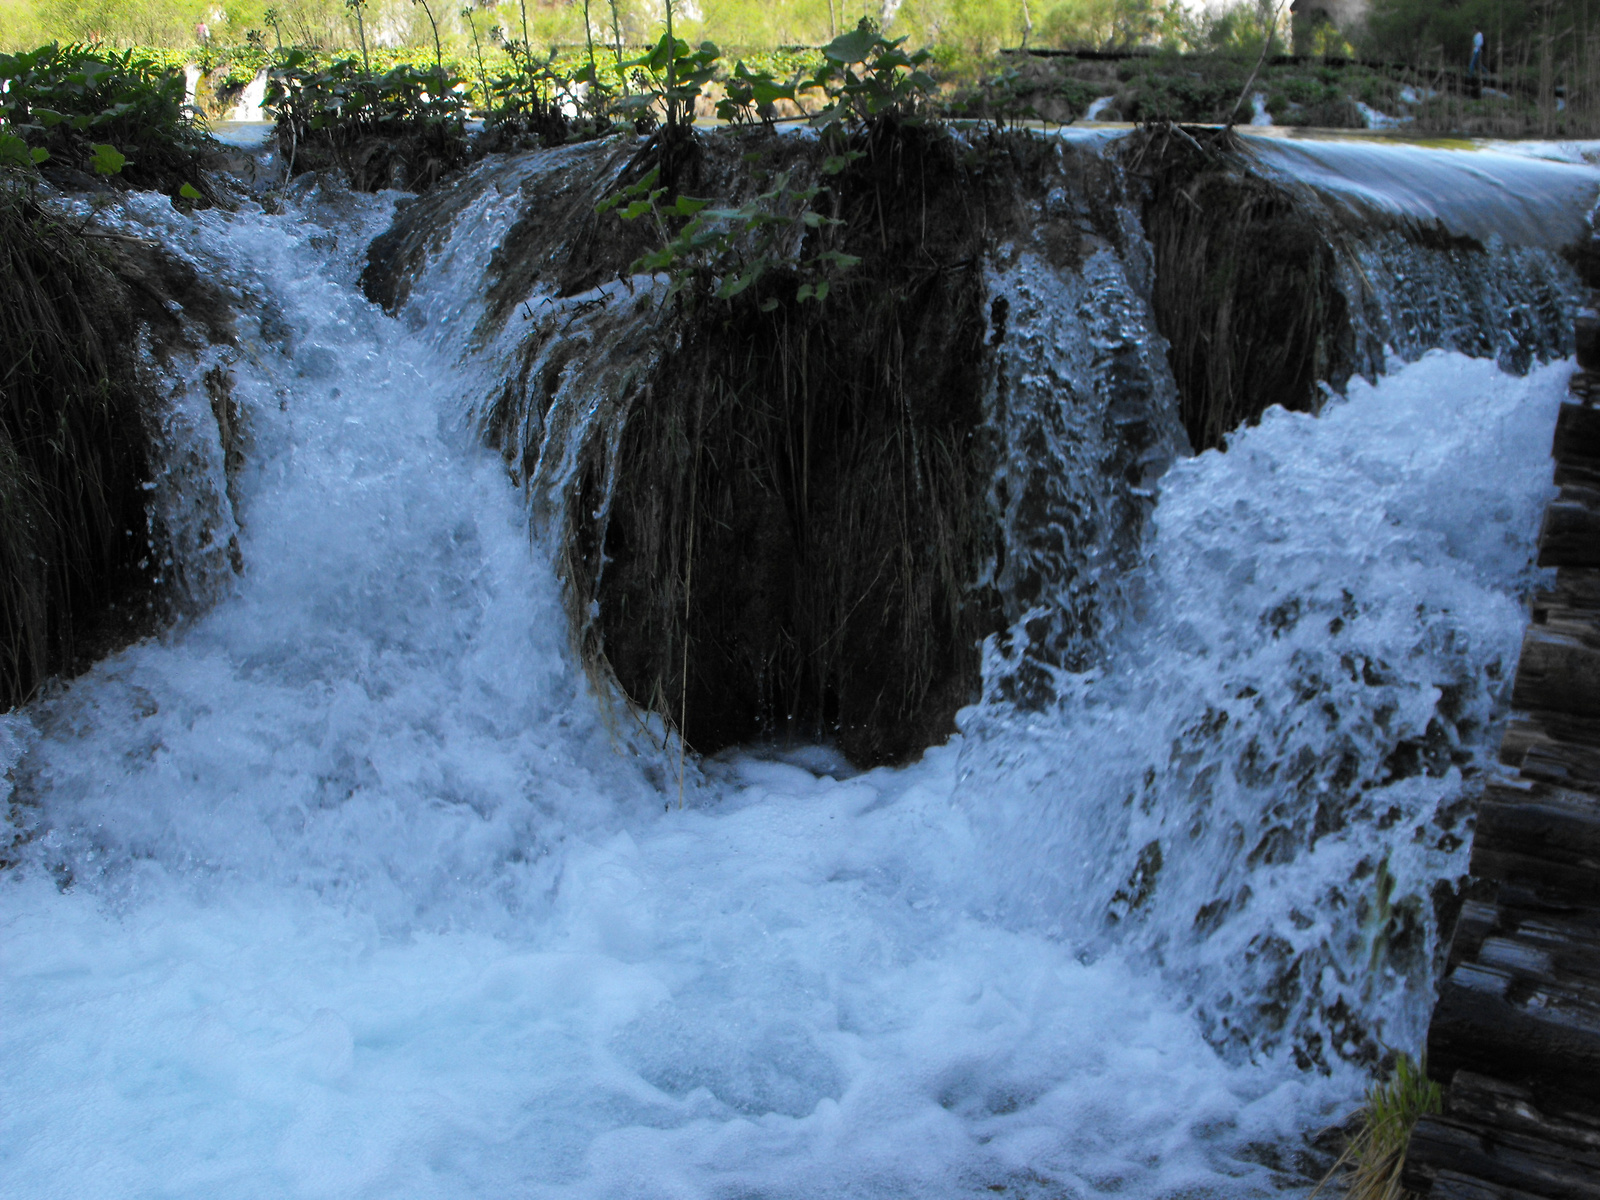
[(289, 924)]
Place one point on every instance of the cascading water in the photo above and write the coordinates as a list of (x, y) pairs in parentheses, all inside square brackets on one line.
[(348, 887)]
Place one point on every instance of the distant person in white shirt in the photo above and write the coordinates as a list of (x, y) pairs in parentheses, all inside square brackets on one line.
[(1477, 53)]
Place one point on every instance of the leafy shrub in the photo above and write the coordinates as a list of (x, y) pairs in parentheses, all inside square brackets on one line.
[(325, 112), (103, 111), (868, 78), (724, 252)]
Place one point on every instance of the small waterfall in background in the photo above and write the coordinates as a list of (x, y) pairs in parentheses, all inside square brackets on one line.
[(363, 880)]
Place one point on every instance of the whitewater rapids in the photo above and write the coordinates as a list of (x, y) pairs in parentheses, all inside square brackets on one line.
[(349, 887)]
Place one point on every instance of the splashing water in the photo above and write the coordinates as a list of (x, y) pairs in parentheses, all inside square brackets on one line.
[(347, 888)]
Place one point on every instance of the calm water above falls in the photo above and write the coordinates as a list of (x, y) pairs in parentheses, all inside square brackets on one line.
[(348, 888)]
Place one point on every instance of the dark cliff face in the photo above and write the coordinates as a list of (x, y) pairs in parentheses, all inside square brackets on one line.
[(783, 518), (81, 550), (847, 520), (1270, 290), (1247, 288), (798, 531)]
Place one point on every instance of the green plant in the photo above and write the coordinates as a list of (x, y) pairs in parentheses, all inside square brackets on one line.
[(675, 76), (865, 76), (433, 23), (529, 97), (108, 111), (750, 96), (723, 252), (333, 108), (1370, 1166), (359, 8)]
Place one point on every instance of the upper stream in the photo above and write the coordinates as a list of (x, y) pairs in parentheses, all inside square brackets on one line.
[(350, 887)]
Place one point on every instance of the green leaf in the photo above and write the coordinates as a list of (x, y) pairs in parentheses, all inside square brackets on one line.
[(39, 154), (687, 206), (649, 264), (733, 287), (852, 47), (636, 210), (14, 151), (48, 117), (768, 91), (770, 303), (189, 192), (835, 163), (106, 159)]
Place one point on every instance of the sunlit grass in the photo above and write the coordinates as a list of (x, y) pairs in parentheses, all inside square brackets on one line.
[(1369, 1168)]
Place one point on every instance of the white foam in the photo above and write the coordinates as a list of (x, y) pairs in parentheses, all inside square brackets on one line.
[(346, 889)]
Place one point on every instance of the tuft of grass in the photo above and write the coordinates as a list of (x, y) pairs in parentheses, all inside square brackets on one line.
[(1369, 1168)]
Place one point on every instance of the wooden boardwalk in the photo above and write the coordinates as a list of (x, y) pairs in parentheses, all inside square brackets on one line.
[(1515, 1036)]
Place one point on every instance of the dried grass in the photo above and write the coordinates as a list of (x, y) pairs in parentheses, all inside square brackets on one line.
[(1371, 1165), (1245, 285), (72, 444)]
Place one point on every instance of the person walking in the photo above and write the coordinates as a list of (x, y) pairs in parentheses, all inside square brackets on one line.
[(1477, 53)]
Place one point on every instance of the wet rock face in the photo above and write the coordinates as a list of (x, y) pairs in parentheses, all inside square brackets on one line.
[(1269, 290), (798, 530), (783, 519), (80, 540)]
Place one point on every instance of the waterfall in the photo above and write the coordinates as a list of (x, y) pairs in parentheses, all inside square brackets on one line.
[(353, 883)]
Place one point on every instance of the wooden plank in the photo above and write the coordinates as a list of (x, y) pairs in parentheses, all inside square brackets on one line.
[(1558, 672), (1492, 1155), (1576, 588), (1499, 1158), (1569, 766), (1516, 1031), (1524, 1022), (1577, 432), (1529, 729), (1570, 536), (1540, 835), (1477, 1098), (1568, 936), (1478, 921), (1452, 1185)]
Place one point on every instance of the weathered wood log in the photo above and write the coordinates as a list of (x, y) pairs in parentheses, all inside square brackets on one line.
[(1577, 588), (1569, 935), (1586, 338), (1574, 767), (1493, 1102), (1478, 921), (1558, 671), (1496, 1135), (1570, 535), (1585, 385), (1577, 433), (1522, 1020), (1539, 834), (1516, 1031), (1487, 1155), (1528, 730), (1452, 1185)]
